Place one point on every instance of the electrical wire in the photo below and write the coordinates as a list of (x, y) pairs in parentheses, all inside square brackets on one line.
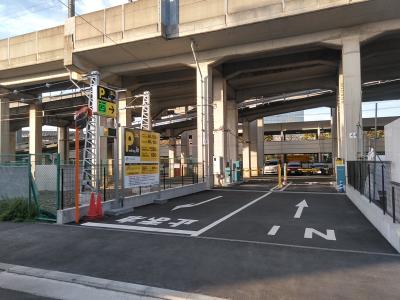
[(106, 35)]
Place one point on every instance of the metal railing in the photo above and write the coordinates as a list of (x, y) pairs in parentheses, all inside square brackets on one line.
[(172, 174), (373, 180)]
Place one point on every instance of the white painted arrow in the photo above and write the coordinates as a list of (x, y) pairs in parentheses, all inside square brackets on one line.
[(300, 206), (195, 204)]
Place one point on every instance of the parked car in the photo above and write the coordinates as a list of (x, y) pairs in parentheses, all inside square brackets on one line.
[(271, 167), (294, 168), (320, 168)]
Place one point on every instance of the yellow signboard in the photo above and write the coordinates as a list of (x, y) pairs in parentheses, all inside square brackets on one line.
[(141, 158), (149, 146)]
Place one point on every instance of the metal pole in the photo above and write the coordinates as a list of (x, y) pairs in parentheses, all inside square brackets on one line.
[(104, 184), (369, 182), (182, 174), (77, 184), (376, 135), (71, 8), (383, 189), (393, 206), (164, 175), (62, 189)]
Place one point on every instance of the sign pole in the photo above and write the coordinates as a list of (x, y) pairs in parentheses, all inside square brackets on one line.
[(77, 184)]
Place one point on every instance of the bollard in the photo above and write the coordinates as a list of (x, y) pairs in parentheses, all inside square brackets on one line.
[(285, 174), (279, 177)]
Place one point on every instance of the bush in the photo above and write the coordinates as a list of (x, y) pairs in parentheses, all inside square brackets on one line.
[(17, 210)]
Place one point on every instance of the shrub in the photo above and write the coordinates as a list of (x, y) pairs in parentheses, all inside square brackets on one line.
[(17, 210)]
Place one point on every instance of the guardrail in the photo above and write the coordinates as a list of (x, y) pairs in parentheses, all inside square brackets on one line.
[(373, 180)]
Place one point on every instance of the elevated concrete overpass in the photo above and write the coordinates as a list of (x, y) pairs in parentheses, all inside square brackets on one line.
[(245, 50)]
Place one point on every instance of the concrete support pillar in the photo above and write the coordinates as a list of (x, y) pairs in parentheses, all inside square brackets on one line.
[(103, 143), (63, 143), (350, 100), (193, 145), (124, 117), (232, 127), (171, 156), (334, 134), (184, 152), (13, 144), (35, 133), (256, 146), (4, 129), (225, 124), (246, 150), (204, 122)]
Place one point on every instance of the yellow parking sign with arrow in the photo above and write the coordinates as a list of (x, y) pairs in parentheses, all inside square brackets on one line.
[(106, 106)]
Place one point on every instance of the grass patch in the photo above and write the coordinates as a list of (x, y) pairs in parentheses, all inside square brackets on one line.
[(17, 210)]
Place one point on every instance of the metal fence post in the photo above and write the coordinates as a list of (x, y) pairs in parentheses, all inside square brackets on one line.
[(203, 170), (193, 181), (62, 189), (182, 174), (360, 179), (369, 182), (29, 184), (104, 185), (164, 175), (58, 158), (393, 206), (383, 189)]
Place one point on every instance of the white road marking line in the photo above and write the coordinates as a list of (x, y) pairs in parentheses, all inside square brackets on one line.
[(201, 231), (312, 193), (274, 230), (274, 188), (296, 246), (286, 186), (236, 190), (330, 234), (237, 241), (139, 228), (195, 204), (300, 206)]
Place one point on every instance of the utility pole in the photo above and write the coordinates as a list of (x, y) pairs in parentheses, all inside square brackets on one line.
[(71, 8)]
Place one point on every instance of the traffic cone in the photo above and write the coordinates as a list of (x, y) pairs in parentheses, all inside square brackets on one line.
[(99, 206), (92, 213)]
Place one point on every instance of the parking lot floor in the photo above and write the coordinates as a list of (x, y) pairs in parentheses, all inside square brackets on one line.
[(229, 243)]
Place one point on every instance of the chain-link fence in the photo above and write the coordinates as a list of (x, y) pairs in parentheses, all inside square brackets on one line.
[(373, 180), (32, 178)]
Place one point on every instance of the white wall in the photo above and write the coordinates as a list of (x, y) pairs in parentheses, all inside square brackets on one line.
[(392, 148)]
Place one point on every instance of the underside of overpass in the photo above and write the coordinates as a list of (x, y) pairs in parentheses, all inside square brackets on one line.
[(243, 73)]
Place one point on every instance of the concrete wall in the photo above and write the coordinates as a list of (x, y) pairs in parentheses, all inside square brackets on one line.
[(199, 16), (31, 48), (128, 22), (383, 223), (392, 147), (14, 182), (68, 215)]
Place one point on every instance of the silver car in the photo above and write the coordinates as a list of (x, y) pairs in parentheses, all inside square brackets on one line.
[(271, 167)]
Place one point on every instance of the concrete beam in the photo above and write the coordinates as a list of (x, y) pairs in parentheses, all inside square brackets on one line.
[(270, 90), (325, 57), (4, 129)]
